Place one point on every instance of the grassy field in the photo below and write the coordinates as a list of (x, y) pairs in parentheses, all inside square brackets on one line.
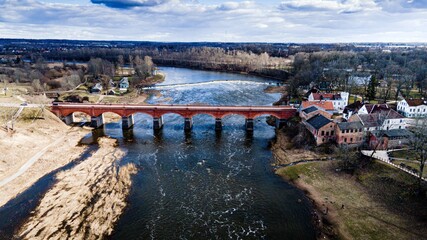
[(404, 154), (378, 200)]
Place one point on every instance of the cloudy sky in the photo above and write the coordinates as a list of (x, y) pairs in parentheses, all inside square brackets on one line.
[(213, 20)]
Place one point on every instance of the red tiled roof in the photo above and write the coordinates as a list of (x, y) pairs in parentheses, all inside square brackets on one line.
[(329, 96), (327, 105), (415, 102), (373, 108)]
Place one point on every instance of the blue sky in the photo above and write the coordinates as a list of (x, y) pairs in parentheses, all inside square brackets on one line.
[(213, 20)]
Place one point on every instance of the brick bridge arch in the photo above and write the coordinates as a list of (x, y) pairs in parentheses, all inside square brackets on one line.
[(126, 111)]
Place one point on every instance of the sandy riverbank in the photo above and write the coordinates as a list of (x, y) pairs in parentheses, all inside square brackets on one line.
[(37, 146), (86, 201)]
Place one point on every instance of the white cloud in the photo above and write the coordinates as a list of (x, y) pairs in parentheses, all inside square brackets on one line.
[(180, 20), (343, 6)]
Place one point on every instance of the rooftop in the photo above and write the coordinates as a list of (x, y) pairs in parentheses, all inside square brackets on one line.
[(310, 109), (327, 105), (318, 121), (372, 108), (350, 125), (326, 96), (415, 102), (394, 133)]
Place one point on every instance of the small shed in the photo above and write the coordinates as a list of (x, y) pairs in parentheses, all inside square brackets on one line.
[(97, 88)]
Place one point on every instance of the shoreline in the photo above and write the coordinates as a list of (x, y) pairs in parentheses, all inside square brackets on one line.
[(325, 226), (324, 217), (87, 200), (32, 150)]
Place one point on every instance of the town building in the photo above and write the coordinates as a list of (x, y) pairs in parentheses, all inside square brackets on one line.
[(312, 111), (391, 139), (413, 108), (97, 88), (322, 129), (124, 84), (325, 105), (380, 119), (373, 108), (349, 133), (339, 100)]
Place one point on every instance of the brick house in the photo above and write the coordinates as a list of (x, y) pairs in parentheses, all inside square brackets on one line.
[(322, 128), (349, 133), (390, 139)]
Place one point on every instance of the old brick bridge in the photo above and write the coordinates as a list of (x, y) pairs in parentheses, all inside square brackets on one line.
[(126, 111)]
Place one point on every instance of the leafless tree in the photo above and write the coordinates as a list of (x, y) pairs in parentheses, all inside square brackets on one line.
[(418, 143)]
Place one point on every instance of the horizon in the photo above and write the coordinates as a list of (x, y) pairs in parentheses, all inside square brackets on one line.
[(271, 21), (142, 41)]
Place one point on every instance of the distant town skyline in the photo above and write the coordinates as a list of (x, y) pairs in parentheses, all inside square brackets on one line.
[(300, 21)]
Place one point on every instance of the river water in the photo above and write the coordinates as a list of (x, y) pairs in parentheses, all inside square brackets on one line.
[(205, 184)]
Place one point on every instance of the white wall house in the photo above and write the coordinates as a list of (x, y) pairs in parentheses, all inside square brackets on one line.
[(339, 100), (413, 108), (380, 120)]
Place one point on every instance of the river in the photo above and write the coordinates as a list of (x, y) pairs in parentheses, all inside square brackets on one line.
[(204, 184)]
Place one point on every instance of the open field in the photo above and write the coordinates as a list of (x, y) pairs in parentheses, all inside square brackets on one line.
[(376, 202)]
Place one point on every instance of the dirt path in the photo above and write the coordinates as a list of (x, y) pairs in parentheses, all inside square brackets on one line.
[(33, 150), (30, 163)]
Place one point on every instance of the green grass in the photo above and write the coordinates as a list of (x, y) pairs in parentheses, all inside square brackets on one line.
[(412, 165), (292, 173), (404, 154), (379, 199)]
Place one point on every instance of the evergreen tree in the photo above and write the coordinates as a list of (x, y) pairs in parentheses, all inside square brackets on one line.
[(372, 88)]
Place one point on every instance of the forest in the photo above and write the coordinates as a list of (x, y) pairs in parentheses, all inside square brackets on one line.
[(331, 67)]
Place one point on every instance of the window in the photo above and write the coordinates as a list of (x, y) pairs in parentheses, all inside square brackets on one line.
[(327, 133), (351, 140), (345, 139), (332, 132), (342, 131), (323, 133)]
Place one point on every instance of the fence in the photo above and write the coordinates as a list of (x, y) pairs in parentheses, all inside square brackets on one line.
[(386, 160)]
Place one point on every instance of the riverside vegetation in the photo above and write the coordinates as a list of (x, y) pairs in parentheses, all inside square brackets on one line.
[(355, 197)]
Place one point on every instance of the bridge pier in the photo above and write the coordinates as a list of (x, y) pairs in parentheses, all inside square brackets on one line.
[(249, 124), (188, 124), (218, 124), (69, 119), (157, 123), (127, 121), (97, 122), (280, 123)]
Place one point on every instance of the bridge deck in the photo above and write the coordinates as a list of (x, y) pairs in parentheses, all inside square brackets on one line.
[(126, 111)]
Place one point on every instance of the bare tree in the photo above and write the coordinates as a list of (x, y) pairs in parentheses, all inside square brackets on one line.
[(418, 143)]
